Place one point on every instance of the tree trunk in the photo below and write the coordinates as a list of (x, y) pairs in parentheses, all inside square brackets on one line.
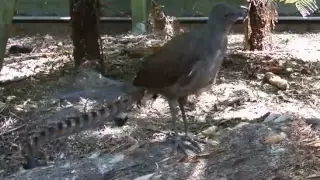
[(7, 9), (259, 24), (85, 20)]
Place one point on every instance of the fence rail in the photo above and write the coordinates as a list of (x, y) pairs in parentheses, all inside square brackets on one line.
[(65, 19)]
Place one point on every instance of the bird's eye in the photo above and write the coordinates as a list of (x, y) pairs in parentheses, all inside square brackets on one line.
[(229, 14)]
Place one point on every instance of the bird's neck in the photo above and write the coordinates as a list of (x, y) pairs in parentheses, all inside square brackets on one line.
[(216, 27)]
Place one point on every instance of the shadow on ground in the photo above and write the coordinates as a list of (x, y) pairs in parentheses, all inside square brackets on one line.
[(238, 151), (241, 154)]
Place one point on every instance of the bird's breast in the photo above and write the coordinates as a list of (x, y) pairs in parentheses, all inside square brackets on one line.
[(200, 78)]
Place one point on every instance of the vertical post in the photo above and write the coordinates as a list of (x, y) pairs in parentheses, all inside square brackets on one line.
[(139, 16), (7, 9)]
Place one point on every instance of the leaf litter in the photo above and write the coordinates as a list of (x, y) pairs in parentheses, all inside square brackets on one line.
[(240, 95)]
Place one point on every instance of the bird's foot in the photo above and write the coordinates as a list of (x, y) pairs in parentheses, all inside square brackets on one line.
[(185, 143), (32, 162)]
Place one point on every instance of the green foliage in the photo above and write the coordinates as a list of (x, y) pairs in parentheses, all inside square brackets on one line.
[(305, 7)]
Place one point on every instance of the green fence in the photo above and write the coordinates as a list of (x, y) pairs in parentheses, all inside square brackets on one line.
[(121, 8)]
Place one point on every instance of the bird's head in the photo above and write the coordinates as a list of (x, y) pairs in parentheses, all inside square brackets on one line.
[(118, 109), (225, 14), (121, 119)]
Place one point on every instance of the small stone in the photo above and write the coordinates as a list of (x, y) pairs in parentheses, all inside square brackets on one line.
[(281, 118), (210, 131), (271, 117), (285, 128), (241, 124), (313, 121), (279, 151)]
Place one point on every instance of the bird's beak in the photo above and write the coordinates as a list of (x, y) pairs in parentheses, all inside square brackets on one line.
[(239, 15)]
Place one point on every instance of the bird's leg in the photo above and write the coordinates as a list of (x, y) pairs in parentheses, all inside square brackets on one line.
[(182, 102), (180, 140), (193, 140), (30, 154), (174, 114), (30, 158)]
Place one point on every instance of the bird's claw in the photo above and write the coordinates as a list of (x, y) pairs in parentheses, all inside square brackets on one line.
[(32, 162), (181, 142)]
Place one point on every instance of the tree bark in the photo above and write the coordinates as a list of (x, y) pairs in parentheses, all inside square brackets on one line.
[(7, 9), (85, 21), (258, 25)]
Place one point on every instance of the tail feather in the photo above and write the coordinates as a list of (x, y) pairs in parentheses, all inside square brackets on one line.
[(93, 119)]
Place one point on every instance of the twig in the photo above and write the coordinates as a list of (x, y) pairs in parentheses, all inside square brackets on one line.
[(13, 114), (12, 130)]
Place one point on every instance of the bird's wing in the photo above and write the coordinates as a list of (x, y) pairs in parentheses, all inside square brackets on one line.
[(165, 67)]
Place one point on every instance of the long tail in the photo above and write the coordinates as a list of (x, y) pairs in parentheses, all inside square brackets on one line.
[(76, 124)]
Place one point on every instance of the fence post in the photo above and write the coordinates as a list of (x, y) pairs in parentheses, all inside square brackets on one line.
[(7, 9), (139, 16)]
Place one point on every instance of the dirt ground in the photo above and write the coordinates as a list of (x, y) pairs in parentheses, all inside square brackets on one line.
[(32, 83)]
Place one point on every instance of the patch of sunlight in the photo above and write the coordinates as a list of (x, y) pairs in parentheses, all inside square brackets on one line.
[(8, 123), (107, 130), (104, 164), (198, 170)]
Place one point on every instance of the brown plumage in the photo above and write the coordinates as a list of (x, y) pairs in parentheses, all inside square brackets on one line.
[(161, 71), (188, 63), (185, 65)]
